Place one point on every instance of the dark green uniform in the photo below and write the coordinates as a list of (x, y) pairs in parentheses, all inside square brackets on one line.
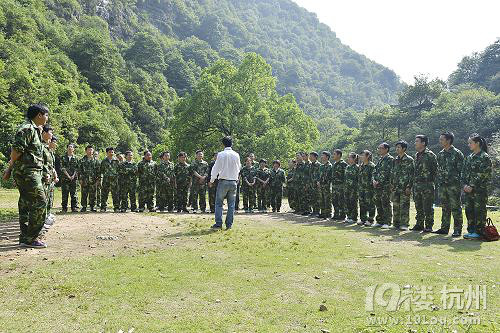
[(182, 173), (146, 171), (212, 191), (199, 188), (48, 175), (128, 185), (276, 188), (88, 174), (109, 173), (248, 175), (290, 189), (403, 176), (382, 174), (313, 186), (262, 189), (325, 190), (351, 191), (69, 165), (450, 166), (477, 174), (366, 193), (165, 186), (27, 173), (338, 189), (423, 191)]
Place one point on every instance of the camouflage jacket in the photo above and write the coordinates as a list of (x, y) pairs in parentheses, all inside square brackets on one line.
[(263, 174), (338, 172), (325, 174), (299, 176), (249, 174), (314, 172), (146, 171), (165, 174), (366, 176), (201, 167), (383, 170), (70, 166), (28, 142), (88, 170), (49, 171), (450, 166), (182, 173), (277, 178), (128, 172), (109, 168), (477, 171), (351, 177), (290, 181), (425, 170), (403, 173)]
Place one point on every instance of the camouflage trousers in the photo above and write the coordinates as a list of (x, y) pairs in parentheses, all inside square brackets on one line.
[(110, 185), (262, 197), (314, 195), (199, 192), (98, 195), (248, 197), (325, 200), (32, 205), (182, 196), (88, 193), (424, 199), (165, 196), (302, 199), (351, 203), (292, 199), (338, 201), (68, 188), (146, 195), (383, 204), (475, 210), (128, 193), (366, 205), (212, 191), (276, 197), (400, 208), (49, 195), (451, 203)]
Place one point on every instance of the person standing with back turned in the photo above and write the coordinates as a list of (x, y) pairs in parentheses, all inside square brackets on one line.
[(227, 168)]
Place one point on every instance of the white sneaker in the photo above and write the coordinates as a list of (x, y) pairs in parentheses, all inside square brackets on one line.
[(403, 228), (376, 225), (386, 226)]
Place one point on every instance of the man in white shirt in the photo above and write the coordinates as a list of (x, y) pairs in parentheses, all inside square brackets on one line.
[(226, 168)]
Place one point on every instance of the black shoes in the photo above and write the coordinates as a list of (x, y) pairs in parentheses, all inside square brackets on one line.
[(216, 227), (440, 232), (417, 228)]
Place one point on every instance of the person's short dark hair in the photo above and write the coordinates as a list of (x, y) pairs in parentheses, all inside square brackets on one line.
[(35, 109), (47, 128), (338, 152), (146, 151), (313, 153), (263, 161), (109, 149), (227, 141), (199, 151), (70, 144), (449, 136), (403, 144), (386, 145), (88, 146), (423, 138), (326, 153), (181, 154), (54, 138), (277, 162)]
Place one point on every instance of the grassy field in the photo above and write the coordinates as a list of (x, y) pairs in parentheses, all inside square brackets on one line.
[(271, 273)]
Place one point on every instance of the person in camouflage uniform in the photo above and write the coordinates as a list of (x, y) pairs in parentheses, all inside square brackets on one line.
[(255, 165), (299, 181), (49, 174), (450, 164), (89, 176), (277, 179), (263, 176), (366, 189), (290, 185), (402, 179), (423, 191), (146, 170), (165, 179), (199, 170), (109, 174), (314, 167), (128, 183), (212, 190), (121, 158), (26, 166), (306, 185), (98, 183), (248, 179), (476, 177), (382, 184), (351, 188), (325, 186), (182, 173), (69, 177), (338, 185)]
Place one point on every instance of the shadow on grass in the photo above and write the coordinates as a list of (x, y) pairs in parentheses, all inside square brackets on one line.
[(9, 231)]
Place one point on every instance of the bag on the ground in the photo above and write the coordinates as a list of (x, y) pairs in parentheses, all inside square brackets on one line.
[(490, 233)]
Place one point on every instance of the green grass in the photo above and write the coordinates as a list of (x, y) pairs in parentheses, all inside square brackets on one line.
[(259, 277)]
